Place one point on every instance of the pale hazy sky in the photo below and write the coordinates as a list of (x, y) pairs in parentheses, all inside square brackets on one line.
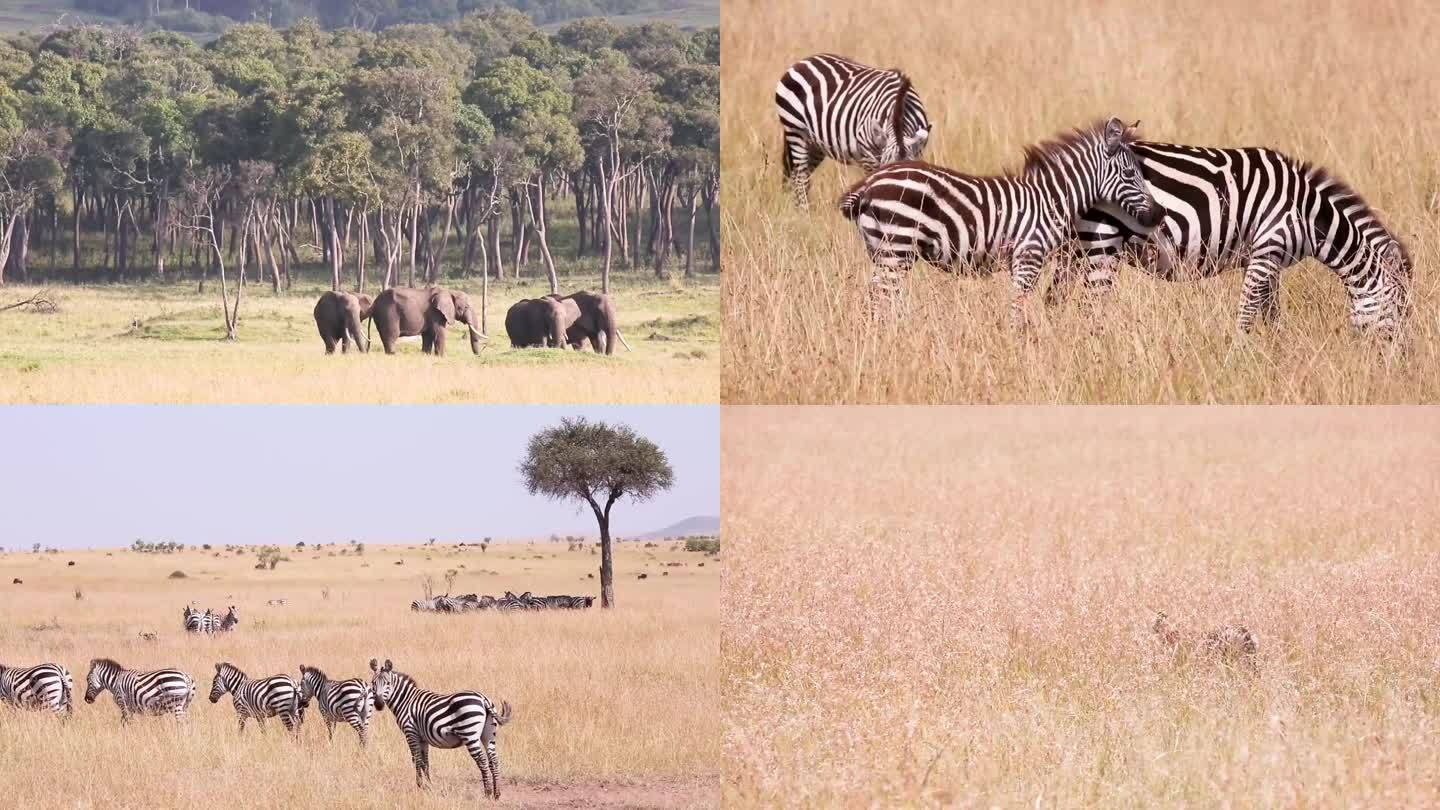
[(106, 475)]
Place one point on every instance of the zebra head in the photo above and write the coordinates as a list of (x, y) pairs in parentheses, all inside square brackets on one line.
[(1121, 179), (901, 134), (311, 680), (227, 678), (1385, 303), (101, 675), (385, 682)]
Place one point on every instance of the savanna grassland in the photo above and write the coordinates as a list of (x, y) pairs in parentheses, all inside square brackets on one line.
[(610, 708), (953, 607), (1342, 84), (164, 343)]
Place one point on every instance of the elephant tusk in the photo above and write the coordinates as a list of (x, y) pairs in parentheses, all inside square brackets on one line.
[(622, 340)]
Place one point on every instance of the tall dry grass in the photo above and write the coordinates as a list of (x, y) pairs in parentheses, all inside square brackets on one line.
[(952, 607), (1347, 85), (626, 697)]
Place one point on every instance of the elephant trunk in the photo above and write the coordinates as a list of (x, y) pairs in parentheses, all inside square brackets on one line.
[(557, 330)]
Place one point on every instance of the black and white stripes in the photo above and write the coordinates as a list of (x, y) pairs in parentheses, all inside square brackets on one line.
[(914, 210), (1259, 210), (44, 686), (209, 622), (161, 691), (349, 701), (444, 721), (258, 698), (835, 107)]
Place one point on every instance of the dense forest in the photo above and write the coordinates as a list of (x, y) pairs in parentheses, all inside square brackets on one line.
[(215, 15), (370, 151)]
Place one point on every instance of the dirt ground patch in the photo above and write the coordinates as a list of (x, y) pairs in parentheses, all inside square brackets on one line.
[(685, 792)]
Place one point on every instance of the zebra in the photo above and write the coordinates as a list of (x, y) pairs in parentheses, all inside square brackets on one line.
[(913, 210), (512, 602), (444, 721), (532, 602), (1256, 209), (348, 701), (423, 605), (448, 604), (158, 692), (226, 624), (195, 621), (835, 107), (38, 687), (258, 697)]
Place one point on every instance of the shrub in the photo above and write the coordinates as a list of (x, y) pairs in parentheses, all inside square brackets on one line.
[(177, 575), (709, 545)]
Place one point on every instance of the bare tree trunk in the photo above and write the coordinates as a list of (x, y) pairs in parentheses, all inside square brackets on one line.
[(536, 205)]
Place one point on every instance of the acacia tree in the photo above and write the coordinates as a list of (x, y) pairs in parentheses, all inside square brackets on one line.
[(597, 464)]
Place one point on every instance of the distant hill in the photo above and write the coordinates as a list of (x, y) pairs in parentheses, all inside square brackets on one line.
[(706, 525)]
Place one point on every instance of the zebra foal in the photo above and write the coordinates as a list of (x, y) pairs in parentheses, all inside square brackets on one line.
[(444, 721), (258, 697), (44, 686), (349, 701), (835, 107), (161, 691), (914, 210)]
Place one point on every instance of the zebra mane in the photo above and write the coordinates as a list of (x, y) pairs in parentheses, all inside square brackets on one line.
[(110, 662), (897, 119), (1043, 153)]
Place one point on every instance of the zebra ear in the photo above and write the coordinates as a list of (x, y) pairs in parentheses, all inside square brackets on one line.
[(388, 665), (1114, 135), (374, 665)]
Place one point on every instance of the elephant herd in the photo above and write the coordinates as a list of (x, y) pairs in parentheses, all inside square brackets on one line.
[(554, 320)]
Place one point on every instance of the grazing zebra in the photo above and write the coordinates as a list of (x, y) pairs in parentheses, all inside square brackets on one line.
[(448, 604), (1256, 209), (38, 687), (158, 692), (512, 602), (532, 602), (258, 697), (423, 605), (834, 107), (340, 701), (569, 602), (916, 210), (444, 721)]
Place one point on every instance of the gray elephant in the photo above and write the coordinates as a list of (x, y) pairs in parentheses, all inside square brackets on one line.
[(596, 319), (540, 321), (338, 316), (405, 311)]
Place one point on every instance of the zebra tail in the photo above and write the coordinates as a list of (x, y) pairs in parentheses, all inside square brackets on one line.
[(786, 161), (503, 715), (852, 205), (897, 120), (68, 689)]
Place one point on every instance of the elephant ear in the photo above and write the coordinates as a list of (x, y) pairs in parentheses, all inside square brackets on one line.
[(443, 304)]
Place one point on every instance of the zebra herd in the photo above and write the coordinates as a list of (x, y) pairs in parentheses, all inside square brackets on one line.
[(1178, 212), (209, 621), (525, 601), (425, 718)]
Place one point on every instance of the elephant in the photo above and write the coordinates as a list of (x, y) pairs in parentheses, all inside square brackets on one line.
[(540, 321), (596, 319), (338, 316), (403, 311)]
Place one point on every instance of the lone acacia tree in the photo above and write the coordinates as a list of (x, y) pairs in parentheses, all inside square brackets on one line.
[(598, 464)]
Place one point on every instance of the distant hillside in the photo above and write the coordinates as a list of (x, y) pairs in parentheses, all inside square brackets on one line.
[(704, 525), (205, 19)]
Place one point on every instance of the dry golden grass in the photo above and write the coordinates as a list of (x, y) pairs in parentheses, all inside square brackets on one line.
[(1348, 85), (953, 607), (93, 351), (610, 708)]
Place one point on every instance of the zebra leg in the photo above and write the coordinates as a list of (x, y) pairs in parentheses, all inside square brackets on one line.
[(1024, 273), (1270, 307), (804, 166), (492, 753), (476, 747), (362, 730), (330, 728), (1259, 280), (421, 757)]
